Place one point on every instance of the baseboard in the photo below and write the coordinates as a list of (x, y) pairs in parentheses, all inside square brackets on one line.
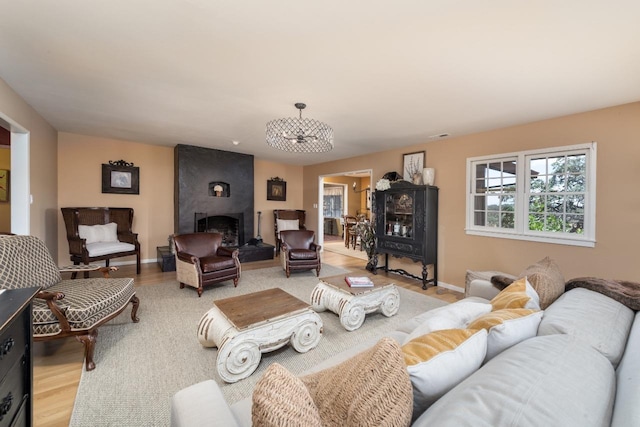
[(450, 287)]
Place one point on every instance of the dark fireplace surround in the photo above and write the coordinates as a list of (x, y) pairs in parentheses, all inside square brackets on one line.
[(198, 209)]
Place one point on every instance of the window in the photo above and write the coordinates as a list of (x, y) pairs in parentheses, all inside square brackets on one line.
[(333, 201), (543, 195)]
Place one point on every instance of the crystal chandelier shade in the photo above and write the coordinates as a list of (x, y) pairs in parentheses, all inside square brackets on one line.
[(298, 135)]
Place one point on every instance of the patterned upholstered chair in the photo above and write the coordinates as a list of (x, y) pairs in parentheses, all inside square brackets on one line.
[(299, 251), (201, 260), (63, 308)]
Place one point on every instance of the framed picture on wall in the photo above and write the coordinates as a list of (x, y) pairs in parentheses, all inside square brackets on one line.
[(276, 189), (120, 177), (412, 164)]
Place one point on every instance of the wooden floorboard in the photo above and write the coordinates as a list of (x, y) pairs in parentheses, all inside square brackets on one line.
[(57, 365)]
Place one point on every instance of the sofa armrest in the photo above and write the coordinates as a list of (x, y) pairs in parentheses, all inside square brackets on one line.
[(481, 288), (201, 404)]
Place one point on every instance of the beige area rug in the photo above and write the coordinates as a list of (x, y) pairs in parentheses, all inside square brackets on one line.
[(339, 248), (140, 366)]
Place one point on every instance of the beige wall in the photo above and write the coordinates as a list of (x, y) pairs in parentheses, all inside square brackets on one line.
[(80, 160), (43, 165), (262, 172), (5, 207), (616, 130)]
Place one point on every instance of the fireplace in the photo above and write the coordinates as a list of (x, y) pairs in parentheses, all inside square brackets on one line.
[(229, 225), (219, 186)]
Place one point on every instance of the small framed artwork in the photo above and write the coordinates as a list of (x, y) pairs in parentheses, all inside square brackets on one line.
[(276, 189), (368, 196), (120, 177), (4, 185), (412, 164)]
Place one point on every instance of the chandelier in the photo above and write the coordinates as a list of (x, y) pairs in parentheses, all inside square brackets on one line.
[(299, 135)]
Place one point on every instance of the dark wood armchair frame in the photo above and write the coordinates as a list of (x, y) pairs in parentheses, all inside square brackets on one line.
[(298, 214), (85, 336), (73, 217)]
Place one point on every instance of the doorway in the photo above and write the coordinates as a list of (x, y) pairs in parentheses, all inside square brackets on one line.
[(19, 190), (340, 194)]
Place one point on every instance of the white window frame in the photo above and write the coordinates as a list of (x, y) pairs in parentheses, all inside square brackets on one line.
[(521, 231)]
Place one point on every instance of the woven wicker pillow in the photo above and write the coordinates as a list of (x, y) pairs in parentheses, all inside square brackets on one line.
[(545, 277), (281, 399), (370, 389)]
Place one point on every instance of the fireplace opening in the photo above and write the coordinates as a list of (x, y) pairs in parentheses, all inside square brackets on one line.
[(229, 225)]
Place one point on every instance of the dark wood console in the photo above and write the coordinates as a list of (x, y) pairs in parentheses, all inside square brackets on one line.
[(16, 369)]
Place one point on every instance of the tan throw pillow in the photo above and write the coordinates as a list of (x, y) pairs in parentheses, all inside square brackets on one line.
[(545, 277), (370, 389), (281, 399), (519, 294)]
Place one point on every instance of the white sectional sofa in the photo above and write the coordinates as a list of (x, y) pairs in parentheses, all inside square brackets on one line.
[(582, 368)]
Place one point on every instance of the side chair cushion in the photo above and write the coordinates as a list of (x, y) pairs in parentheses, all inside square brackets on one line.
[(105, 248), (302, 254), (86, 302), (215, 263), (25, 261)]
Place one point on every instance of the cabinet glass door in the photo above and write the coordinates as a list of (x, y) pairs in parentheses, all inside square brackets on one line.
[(398, 217)]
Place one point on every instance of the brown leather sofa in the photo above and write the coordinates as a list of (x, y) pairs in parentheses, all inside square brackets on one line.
[(201, 260), (299, 251)]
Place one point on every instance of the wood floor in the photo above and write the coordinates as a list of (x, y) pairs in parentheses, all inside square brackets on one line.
[(57, 365)]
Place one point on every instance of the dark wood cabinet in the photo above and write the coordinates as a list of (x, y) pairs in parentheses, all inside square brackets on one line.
[(406, 225), (16, 371)]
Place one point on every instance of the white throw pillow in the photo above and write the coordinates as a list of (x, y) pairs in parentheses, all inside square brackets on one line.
[(439, 361), (506, 328), (287, 224), (99, 233), (453, 316)]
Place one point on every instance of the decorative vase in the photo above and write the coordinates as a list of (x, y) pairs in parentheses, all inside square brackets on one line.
[(428, 176)]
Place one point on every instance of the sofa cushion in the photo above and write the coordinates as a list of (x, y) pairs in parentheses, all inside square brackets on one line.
[(281, 399), (99, 233), (372, 388), (105, 248), (519, 294), (436, 362), (544, 381), (506, 328), (547, 280), (592, 317), (627, 411), (453, 316), (85, 303)]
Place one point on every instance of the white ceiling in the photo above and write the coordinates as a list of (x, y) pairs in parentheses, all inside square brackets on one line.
[(381, 73)]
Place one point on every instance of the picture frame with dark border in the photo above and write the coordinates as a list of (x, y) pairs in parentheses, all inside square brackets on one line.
[(412, 163), (277, 189), (120, 177)]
